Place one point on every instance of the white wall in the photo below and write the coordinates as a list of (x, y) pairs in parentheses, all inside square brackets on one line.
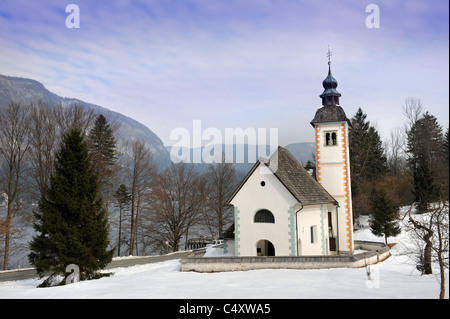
[(282, 234), (333, 167), (312, 216), (251, 198)]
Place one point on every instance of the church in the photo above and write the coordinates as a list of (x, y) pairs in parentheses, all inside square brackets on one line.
[(281, 210)]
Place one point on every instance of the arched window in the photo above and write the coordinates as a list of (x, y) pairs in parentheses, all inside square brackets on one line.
[(330, 138), (334, 138), (264, 216)]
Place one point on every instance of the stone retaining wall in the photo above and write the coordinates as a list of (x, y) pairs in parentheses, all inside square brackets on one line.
[(376, 253)]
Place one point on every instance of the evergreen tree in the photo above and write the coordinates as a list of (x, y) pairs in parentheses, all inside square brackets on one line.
[(384, 215), (71, 224), (445, 146), (311, 167), (102, 146), (446, 166), (425, 190), (425, 145), (368, 162), (123, 198), (368, 159)]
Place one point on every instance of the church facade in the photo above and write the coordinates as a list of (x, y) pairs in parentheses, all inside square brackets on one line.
[(281, 210)]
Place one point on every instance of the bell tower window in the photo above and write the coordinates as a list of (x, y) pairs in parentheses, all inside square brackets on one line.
[(330, 138)]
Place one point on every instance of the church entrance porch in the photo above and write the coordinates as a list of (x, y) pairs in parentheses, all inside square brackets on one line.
[(265, 248)]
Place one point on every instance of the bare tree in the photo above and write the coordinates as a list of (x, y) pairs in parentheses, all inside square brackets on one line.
[(412, 110), (74, 116), (441, 220), (433, 231), (43, 142), (123, 199), (14, 145), (221, 179), (141, 176), (395, 151), (178, 198)]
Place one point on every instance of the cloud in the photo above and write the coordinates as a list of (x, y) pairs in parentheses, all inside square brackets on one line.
[(230, 63)]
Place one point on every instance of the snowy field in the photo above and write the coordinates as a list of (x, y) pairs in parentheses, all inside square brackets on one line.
[(396, 277)]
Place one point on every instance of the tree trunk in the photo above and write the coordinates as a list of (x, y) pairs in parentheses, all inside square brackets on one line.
[(132, 221), (427, 269), (441, 249), (120, 231), (427, 256), (7, 240), (442, 269)]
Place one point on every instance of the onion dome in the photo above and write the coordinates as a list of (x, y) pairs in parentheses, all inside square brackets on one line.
[(330, 110), (330, 95)]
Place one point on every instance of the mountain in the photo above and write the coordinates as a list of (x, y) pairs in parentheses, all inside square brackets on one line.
[(303, 152), (26, 91)]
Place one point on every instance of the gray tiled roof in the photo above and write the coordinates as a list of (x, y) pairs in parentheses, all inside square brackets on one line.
[(298, 181), (305, 189), (330, 113)]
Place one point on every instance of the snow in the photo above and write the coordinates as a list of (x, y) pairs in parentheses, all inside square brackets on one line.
[(216, 251), (395, 277)]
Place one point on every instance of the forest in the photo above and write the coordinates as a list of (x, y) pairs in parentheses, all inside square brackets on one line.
[(150, 209), (146, 206)]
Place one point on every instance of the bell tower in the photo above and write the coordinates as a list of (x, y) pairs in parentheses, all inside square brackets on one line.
[(333, 158)]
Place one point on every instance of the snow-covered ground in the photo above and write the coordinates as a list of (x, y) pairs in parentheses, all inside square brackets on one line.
[(396, 277)]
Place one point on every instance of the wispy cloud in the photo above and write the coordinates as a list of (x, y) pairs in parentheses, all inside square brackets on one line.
[(253, 63)]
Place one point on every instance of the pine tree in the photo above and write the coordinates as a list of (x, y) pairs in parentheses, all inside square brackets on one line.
[(425, 189), (368, 162), (102, 147), (445, 166), (384, 215), (123, 198), (445, 145), (426, 156), (368, 159), (71, 224)]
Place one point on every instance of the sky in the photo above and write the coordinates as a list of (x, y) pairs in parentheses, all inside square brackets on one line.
[(234, 63)]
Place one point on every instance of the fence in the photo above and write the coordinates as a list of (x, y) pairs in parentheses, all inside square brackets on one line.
[(376, 252)]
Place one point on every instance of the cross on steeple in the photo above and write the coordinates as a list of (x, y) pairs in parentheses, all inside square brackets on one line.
[(330, 96), (329, 54)]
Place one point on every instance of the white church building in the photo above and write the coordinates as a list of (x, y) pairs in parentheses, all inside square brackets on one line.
[(281, 210)]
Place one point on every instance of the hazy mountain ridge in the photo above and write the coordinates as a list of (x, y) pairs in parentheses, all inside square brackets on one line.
[(27, 91), (303, 152)]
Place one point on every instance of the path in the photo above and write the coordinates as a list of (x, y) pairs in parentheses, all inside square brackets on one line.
[(126, 262)]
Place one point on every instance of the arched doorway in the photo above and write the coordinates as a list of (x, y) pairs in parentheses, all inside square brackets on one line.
[(265, 248)]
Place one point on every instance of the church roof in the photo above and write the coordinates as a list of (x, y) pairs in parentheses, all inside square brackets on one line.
[(305, 189), (298, 181), (330, 84), (330, 113)]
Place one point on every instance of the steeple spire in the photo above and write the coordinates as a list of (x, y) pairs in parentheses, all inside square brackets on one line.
[(330, 95), (329, 54)]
